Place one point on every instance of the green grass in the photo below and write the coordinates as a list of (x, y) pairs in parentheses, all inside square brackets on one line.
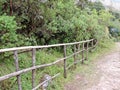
[(46, 56)]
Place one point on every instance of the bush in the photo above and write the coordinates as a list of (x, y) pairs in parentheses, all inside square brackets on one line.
[(8, 36)]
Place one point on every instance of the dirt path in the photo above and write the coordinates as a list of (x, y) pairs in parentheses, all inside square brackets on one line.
[(106, 76)]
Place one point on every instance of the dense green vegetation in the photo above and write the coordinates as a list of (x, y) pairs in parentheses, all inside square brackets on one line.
[(114, 26), (39, 22)]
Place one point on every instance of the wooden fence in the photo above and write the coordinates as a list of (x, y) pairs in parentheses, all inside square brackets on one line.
[(86, 46)]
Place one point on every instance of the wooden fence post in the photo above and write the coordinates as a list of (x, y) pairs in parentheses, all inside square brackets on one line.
[(17, 69), (75, 55), (87, 51), (92, 43), (82, 53), (78, 47), (65, 72), (33, 64)]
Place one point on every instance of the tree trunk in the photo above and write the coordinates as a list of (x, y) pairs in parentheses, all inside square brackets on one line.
[(11, 7)]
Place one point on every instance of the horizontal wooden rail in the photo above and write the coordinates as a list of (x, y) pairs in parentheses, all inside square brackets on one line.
[(68, 67), (35, 67), (45, 46), (84, 52), (45, 81)]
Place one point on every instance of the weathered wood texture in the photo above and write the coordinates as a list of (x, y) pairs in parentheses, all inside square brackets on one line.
[(83, 53), (76, 53), (45, 81), (65, 73), (17, 69), (33, 64), (45, 46), (87, 51)]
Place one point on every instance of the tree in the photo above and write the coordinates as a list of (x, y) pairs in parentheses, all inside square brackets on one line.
[(98, 6)]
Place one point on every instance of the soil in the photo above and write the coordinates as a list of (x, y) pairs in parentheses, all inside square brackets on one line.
[(106, 74)]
